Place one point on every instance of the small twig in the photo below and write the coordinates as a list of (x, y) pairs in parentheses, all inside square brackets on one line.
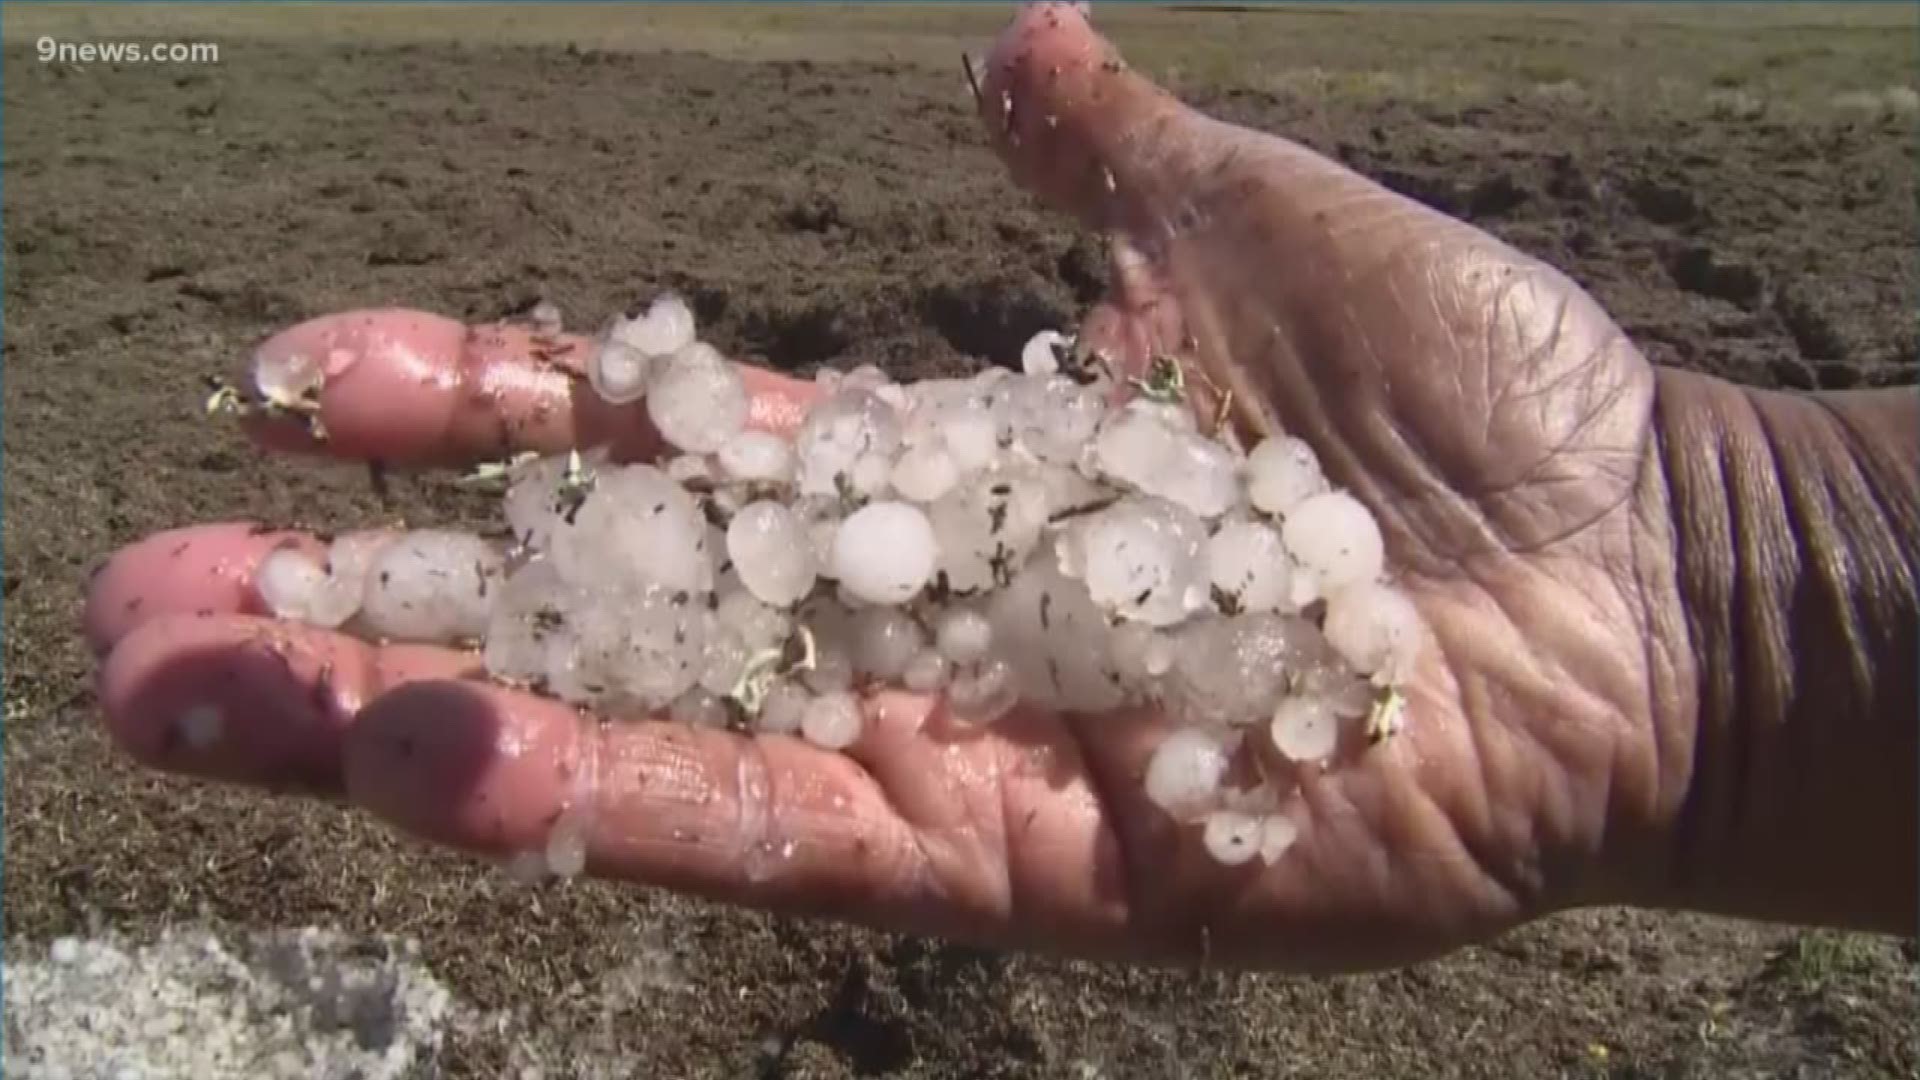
[(973, 81)]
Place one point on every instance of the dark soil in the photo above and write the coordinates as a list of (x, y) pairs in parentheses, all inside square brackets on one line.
[(159, 221)]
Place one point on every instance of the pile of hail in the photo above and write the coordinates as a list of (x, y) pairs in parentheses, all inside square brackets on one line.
[(1000, 539)]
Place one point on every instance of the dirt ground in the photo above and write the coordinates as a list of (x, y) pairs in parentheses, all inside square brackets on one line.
[(1736, 185)]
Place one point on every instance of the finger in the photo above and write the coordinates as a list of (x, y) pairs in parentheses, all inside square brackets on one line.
[(201, 570), (412, 389), (249, 700), (769, 822)]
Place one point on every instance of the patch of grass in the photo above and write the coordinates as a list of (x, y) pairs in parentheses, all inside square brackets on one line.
[(1815, 961)]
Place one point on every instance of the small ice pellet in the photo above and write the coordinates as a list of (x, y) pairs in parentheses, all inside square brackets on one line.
[(1040, 356), (545, 318), (757, 457), (1305, 729), (64, 951), (618, 372), (698, 708), (1184, 774), (696, 399), (1250, 566), (781, 712), (924, 473), (885, 641), (431, 586), (1334, 537), (1232, 837), (1277, 834), (1281, 473), (665, 328), (884, 552), (984, 694), (769, 549), (288, 581), (1375, 628), (349, 558), (832, 721), (566, 852), (926, 672), (964, 635)]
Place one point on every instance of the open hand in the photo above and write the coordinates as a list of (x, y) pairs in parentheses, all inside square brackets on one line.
[(1495, 420)]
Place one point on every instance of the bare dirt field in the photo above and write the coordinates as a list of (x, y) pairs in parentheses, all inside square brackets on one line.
[(1737, 185)]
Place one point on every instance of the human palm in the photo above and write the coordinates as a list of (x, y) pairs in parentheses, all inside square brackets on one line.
[(1494, 419)]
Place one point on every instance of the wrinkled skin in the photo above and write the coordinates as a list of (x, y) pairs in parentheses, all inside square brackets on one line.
[(1494, 418)]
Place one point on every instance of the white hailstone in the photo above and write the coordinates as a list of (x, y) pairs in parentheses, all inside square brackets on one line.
[(885, 641), (1140, 655), (1070, 492), (636, 528), (666, 328), (984, 693), (832, 721), (871, 475), (924, 472), (1334, 538), (769, 549), (1232, 837), (618, 372), (1229, 670), (963, 635), (867, 377), (1040, 355), (837, 433), (1282, 472), (288, 379), (821, 516), (757, 457), (758, 625), (1054, 418), (1143, 558), (971, 434), (698, 708), (287, 581), (926, 672), (987, 526), (1304, 729), (884, 552), (832, 669), (1048, 629), (782, 711), (696, 399), (656, 644), (545, 318), (724, 661), (1186, 769), (1249, 565), (566, 849), (1375, 628), (533, 506), (1277, 834), (349, 558), (431, 586), (528, 611), (690, 470), (1139, 448)]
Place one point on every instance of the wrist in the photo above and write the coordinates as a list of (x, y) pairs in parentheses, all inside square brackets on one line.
[(1793, 522)]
